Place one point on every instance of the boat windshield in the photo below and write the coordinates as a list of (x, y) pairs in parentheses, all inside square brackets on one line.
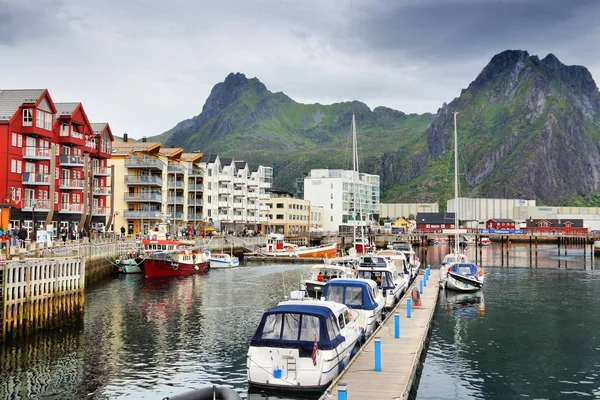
[(354, 295), (382, 278), (291, 326), (464, 269)]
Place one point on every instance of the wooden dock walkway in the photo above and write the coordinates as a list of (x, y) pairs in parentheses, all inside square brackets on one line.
[(399, 357)]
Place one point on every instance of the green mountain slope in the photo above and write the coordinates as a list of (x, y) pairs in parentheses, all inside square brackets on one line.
[(528, 128)]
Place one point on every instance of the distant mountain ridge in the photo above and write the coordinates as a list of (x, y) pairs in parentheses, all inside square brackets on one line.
[(528, 128)]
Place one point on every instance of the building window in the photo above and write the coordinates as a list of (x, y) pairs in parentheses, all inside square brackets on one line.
[(332, 206), (39, 120), (48, 122), (13, 166), (279, 216), (13, 141), (27, 117)]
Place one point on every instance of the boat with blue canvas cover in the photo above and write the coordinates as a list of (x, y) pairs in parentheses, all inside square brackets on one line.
[(302, 345), (464, 277), (385, 274), (362, 296)]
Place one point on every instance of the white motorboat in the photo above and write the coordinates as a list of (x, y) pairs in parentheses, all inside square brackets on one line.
[(320, 274), (464, 277), (413, 260), (384, 273), (302, 345), (362, 296), (223, 260)]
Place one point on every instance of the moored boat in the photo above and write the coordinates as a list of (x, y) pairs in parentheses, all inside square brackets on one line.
[(464, 277), (320, 274), (302, 345), (223, 260), (485, 241), (362, 296), (384, 273), (277, 247), (130, 265)]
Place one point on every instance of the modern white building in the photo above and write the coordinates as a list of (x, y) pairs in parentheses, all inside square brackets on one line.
[(403, 210), (481, 209), (233, 191), (348, 198)]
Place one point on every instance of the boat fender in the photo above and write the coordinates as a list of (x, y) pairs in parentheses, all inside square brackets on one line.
[(481, 272), (416, 297), (207, 393)]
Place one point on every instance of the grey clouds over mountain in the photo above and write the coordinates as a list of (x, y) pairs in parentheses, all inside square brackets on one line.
[(143, 65)]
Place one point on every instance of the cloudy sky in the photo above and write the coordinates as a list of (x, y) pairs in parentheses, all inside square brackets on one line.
[(144, 65)]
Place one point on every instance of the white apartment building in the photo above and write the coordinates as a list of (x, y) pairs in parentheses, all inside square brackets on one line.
[(233, 191), (480, 209), (394, 211), (348, 198)]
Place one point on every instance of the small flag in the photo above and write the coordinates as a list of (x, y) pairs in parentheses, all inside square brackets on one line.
[(314, 351)]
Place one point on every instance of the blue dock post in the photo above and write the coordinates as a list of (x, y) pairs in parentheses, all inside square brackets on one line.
[(342, 391), (397, 326), (378, 354), (421, 286), (408, 310), (425, 280)]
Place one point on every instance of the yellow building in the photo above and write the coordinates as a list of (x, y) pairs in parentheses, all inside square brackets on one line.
[(153, 184), (286, 214)]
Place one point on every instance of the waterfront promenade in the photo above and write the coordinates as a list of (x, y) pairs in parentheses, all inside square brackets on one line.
[(399, 357)]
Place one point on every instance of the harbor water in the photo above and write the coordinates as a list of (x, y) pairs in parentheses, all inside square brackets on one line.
[(532, 333)]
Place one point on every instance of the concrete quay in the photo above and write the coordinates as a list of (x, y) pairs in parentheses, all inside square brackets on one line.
[(400, 358)]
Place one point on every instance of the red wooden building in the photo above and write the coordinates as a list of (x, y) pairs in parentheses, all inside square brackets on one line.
[(55, 162), (434, 222), (500, 223), (555, 226)]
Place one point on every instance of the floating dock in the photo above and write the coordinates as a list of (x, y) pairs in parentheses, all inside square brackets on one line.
[(400, 358)]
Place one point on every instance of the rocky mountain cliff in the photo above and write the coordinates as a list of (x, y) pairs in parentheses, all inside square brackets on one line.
[(528, 128)]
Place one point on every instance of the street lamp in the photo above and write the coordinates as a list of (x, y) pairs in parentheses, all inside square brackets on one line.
[(33, 205)]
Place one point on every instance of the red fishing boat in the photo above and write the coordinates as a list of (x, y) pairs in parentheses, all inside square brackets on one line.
[(164, 256)]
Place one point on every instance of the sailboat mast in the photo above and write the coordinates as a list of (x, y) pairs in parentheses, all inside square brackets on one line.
[(354, 179), (455, 186), (355, 176)]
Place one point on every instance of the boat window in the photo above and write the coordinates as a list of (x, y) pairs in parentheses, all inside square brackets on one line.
[(354, 296), (164, 246), (332, 328), (336, 294), (291, 326), (311, 328), (272, 327), (341, 321)]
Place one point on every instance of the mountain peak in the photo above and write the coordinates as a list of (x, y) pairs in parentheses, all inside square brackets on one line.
[(238, 80)]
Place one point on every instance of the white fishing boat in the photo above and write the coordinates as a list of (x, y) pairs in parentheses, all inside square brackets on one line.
[(320, 274), (456, 273), (223, 260), (362, 296), (302, 345), (384, 274), (485, 241), (414, 264)]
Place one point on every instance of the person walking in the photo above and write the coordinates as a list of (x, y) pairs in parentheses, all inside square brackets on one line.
[(63, 234), (22, 237), (122, 231)]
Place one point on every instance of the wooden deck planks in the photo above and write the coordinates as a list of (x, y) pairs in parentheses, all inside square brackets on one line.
[(399, 357)]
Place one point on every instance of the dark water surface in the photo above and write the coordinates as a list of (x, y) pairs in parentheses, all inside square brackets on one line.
[(534, 333)]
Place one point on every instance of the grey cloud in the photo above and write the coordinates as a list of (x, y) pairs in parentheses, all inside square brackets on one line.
[(26, 20)]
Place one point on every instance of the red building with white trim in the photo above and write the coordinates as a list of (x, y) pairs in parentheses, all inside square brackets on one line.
[(555, 226), (434, 222), (500, 223), (50, 150)]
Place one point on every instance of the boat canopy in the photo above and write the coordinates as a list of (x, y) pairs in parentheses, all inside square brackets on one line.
[(373, 261), (298, 326), (464, 269), (354, 293)]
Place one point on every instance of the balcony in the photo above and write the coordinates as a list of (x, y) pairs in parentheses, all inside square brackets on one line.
[(225, 217), (146, 180), (240, 181), (266, 185), (144, 163), (195, 202), (71, 208), (224, 204), (75, 184), (224, 178), (252, 195), (144, 197), (174, 169), (29, 178), (264, 196), (195, 188), (252, 182), (262, 219), (39, 205), (195, 217), (239, 193), (238, 205), (101, 171), (176, 215), (36, 153), (102, 191), (196, 172), (239, 218), (175, 185), (71, 136), (224, 190), (70, 161), (264, 208), (143, 214), (101, 211), (175, 200)]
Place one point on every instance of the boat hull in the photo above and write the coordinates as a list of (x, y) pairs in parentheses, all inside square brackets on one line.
[(131, 266), (216, 264), (161, 268), (329, 251), (462, 283)]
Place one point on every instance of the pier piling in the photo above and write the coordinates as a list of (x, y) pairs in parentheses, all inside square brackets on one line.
[(397, 326), (342, 392), (377, 343), (408, 308)]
